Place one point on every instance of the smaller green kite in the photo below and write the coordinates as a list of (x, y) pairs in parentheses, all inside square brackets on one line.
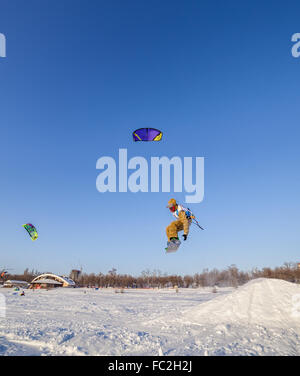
[(31, 231)]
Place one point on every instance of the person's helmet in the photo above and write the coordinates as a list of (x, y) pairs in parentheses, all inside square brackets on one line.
[(172, 204)]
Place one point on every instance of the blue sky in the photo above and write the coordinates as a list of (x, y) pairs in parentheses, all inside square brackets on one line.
[(217, 78)]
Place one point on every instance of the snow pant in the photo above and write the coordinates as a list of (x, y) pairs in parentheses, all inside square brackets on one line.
[(173, 228)]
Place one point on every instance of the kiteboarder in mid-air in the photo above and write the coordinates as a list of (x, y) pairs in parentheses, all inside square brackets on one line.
[(183, 221), (184, 218)]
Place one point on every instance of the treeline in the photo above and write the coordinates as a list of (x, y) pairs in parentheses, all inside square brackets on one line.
[(27, 276), (230, 276)]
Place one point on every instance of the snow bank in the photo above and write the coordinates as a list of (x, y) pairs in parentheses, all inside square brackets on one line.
[(260, 318), (268, 302)]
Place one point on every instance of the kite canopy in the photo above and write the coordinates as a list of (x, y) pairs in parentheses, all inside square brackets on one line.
[(147, 134), (31, 231)]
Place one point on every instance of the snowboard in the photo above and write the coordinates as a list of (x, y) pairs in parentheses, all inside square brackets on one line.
[(173, 246)]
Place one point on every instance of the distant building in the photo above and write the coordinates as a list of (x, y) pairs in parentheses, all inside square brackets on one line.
[(49, 280), (11, 283), (74, 275), (298, 265)]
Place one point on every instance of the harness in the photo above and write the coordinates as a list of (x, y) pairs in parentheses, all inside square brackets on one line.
[(189, 215)]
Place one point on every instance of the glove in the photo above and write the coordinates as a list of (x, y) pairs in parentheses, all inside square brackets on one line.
[(184, 237)]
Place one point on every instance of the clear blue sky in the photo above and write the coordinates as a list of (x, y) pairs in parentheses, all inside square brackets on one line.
[(216, 77)]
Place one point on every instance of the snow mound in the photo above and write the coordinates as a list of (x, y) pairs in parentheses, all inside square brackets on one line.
[(268, 302)]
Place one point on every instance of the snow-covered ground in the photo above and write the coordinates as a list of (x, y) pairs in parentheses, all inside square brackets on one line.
[(260, 318)]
